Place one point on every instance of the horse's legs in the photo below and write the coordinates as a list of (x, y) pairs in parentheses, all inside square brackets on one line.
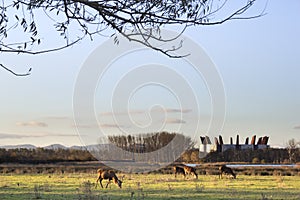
[(196, 175), (97, 182), (233, 174), (101, 182), (107, 183)]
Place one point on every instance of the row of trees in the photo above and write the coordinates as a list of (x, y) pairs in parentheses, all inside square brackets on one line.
[(144, 143), (271, 155), (293, 149), (150, 148), (136, 145), (41, 155), (132, 147), (290, 154)]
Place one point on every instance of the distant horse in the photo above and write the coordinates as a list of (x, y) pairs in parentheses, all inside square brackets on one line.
[(178, 170), (226, 170), (190, 171), (108, 174)]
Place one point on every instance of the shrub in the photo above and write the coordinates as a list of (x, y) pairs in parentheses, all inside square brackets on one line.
[(264, 173), (255, 160)]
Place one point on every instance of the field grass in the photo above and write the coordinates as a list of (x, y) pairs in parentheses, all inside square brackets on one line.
[(149, 186)]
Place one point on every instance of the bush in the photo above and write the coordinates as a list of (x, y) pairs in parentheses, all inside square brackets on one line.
[(264, 173), (255, 160)]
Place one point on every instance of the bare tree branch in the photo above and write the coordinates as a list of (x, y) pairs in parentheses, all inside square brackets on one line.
[(95, 17), (14, 73), (12, 50)]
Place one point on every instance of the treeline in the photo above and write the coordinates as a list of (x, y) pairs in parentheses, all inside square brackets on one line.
[(134, 146), (41, 155), (270, 155), (144, 143), (154, 147)]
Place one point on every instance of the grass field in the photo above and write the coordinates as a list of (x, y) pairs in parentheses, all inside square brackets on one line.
[(149, 186)]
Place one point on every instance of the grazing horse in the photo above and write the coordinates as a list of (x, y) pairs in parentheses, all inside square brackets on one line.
[(226, 170), (190, 170), (110, 175), (178, 170)]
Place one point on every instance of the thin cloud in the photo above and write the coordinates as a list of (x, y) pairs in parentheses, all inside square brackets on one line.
[(9, 136), (137, 112), (133, 112), (106, 113), (95, 126), (124, 113), (88, 126), (175, 110), (175, 121), (58, 118), (32, 124), (111, 126), (44, 134), (297, 127)]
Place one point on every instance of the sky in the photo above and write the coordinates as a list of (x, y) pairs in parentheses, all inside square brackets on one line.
[(257, 61)]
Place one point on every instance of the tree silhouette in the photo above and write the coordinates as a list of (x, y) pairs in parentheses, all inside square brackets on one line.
[(293, 148), (130, 18), (146, 142)]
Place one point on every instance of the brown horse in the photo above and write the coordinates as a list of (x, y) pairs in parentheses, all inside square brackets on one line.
[(190, 171), (178, 170), (108, 174), (226, 170)]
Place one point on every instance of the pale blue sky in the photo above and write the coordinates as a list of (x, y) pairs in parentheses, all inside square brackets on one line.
[(258, 61)]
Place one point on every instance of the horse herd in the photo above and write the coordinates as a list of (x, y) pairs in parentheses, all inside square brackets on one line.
[(184, 170)]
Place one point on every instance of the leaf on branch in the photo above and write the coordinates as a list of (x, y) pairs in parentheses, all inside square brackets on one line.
[(116, 40), (32, 27), (16, 4), (23, 22), (93, 17)]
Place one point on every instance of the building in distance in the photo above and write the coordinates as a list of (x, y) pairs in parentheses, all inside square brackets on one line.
[(219, 146)]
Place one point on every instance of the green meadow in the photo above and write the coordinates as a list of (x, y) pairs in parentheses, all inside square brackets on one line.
[(147, 186)]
